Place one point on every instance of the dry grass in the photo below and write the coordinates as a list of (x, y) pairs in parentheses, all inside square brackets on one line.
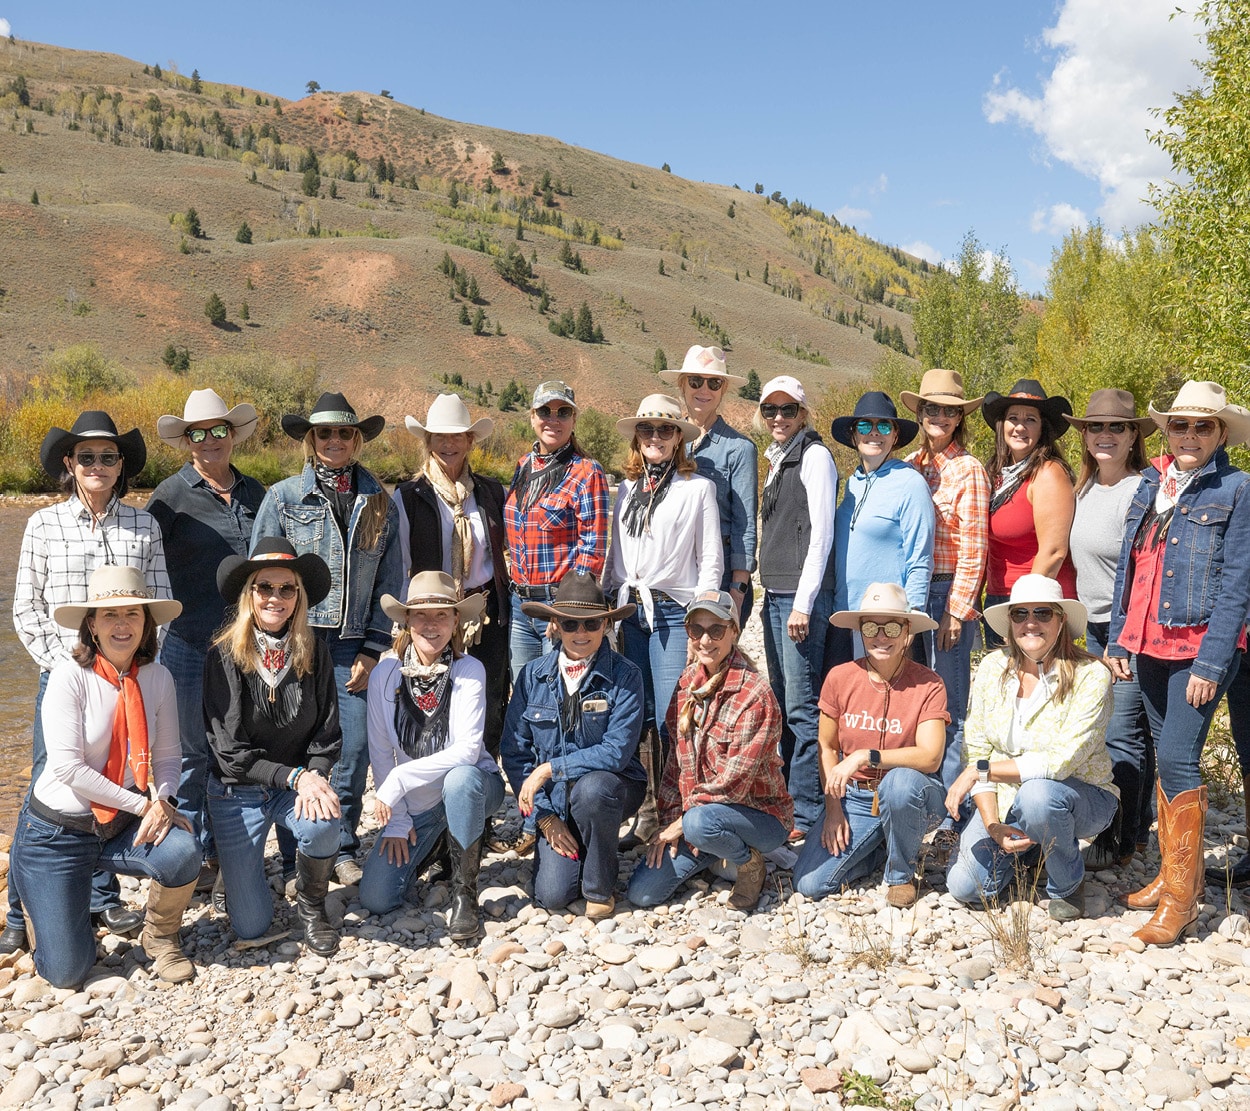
[(1015, 937)]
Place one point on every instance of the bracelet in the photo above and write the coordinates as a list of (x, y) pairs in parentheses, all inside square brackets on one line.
[(293, 778)]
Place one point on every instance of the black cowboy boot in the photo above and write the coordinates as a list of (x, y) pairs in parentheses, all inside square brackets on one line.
[(312, 881), (465, 922)]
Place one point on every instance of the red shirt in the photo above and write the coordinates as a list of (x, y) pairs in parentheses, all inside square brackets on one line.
[(1013, 546)]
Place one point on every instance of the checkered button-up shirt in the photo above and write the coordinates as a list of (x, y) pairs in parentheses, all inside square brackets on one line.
[(62, 545), (565, 531)]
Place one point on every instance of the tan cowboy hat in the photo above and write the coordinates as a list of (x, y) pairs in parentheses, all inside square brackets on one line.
[(659, 407), (578, 595), (942, 387), (111, 586), (430, 590), (1037, 590), (204, 405), (449, 414), (1206, 399), (709, 362), (1112, 405), (884, 601)]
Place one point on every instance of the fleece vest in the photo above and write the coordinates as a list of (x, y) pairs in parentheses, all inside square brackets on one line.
[(787, 527)]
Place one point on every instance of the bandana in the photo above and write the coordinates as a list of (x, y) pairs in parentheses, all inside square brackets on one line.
[(698, 699), (454, 494), (572, 672), (1008, 483), (129, 745), (646, 495), (422, 710), (540, 474), (275, 659), (334, 480)]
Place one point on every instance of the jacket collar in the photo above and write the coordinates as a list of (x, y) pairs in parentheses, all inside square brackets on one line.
[(366, 484), (601, 665)]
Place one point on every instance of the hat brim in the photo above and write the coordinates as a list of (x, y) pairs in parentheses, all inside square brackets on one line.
[(715, 611), (1237, 423), (1145, 425), (675, 376), (467, 608), (481, 428), (917, 622), (242, 418), (842, 428), (297, 427), (164, 610), (576, 610), (233, 571), (1074, 613), (59, 443), (689, 430), (1052, 409), (913, 401)]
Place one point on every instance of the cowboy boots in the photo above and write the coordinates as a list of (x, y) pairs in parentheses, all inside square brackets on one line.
[(1148, 897), (1182, 872), (465, 922), (312, 881), (162, 921)]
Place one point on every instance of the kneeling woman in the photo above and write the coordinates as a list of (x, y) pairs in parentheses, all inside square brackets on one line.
[(882, 733), (722, 794), (1036, 745), (272, 717), (110, 717), (427, 712)]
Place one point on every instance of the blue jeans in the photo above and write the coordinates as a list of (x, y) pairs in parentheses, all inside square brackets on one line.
[(51, 871), (795, 672), (955, 668), (992, 639), (350, 774), (1239, 714), (242, 817), (659, 651), (598, 802), (1053, 813), (469, 794), (527, 638), (719, 830), (910, 804), (186, 664)]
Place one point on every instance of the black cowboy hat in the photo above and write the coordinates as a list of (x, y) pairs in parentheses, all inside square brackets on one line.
[(94, 424), (1028, 391), (274, 551), (874, 405), (332, 409), (578, 595)]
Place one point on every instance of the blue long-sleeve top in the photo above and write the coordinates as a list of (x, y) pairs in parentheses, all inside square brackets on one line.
[(731, 460)]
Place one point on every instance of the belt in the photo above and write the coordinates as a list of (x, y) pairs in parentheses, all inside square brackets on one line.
[(485, 588), (533, 593), (870, 786), (635, 595), (943, 577), (79, 823)]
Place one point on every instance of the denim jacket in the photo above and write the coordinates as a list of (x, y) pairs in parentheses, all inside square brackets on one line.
[(1206, 567), (297, 509), (594, 740)]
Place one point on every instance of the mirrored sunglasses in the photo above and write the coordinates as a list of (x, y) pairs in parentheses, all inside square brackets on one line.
[(868, 427), (199, 435), (103, 458), (892, 629), (572, 624), (788, 411), (1043, 615)]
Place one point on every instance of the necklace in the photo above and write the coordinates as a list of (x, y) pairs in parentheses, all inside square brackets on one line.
[(221, 491)]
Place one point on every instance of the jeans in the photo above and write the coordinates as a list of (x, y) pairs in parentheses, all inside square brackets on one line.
[(527, 638), (748, 598), (350, 774), (955, 668), (52, 868), (598, 802), (720, 831), (242, 817), (1179, 730), (910, 804), (186, 664), (1053, 813), (492, 651), (469, 795), (659, 652), (795, 672), (1239, 714), (992, 639)]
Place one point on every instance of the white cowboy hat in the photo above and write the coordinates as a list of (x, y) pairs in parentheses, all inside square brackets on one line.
[(1206, 399), (659, 407), (1037, 590), (449, 414), (430, 590), (110, 586), (709, 362), (888, 601), (205, 405)]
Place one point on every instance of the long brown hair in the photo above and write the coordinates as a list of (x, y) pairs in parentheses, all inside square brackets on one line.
[(1066, 654), (1136, 461), (372, 521), (403, 638), (237, 637), (1043, 451), (635, 464)]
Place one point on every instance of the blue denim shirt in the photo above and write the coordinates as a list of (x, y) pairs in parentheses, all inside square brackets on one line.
[(731, 461), (598, 740), (297, 509), (1206, 567)]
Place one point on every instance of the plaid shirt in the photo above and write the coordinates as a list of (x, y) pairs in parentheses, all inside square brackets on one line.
[(961, 500), (60, 549), (565, 531), (735, 758)]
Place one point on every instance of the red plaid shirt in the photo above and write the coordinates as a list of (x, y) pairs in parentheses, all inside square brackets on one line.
[(735, 758), (565, 531)]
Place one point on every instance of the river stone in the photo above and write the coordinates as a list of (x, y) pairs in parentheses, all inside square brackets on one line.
[(54, 1026), (330, 1080), (818, 1080), (501, 1095), (129, 1076), (683, 996), (1172, 1084), (731, 1031), (300, 1054), (975, 968), (711, 1053), (556, 1011), (914, 1058), (19, 1091), (860, 1033), (659, 958), (612, 953), (1106, 1059), (617, 1036)]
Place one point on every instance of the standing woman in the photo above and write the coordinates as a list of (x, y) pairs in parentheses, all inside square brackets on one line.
[(1182, 590), (271, 711), (728, 458), (665, 548), (796, 568), (205, 512), (556, 516), (451, 520), (337, 510), (1113, 455)]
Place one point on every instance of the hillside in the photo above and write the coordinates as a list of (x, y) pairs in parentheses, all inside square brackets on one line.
[(354, 276)]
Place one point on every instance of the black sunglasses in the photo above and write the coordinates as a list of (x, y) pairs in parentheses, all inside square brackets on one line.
[(788, 411), (341, 432), (91, 458), (1115, 427), (698, 381), (1043, 615), (932, 409), (546, 412), (218, 432), (646, 431), (572, 624)]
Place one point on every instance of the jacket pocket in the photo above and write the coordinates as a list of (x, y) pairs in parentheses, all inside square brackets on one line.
[(1208, 524), (303, 524)]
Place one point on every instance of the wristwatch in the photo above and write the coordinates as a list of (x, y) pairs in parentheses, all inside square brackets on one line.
[(741, 588), (983, 771), (874, 758)]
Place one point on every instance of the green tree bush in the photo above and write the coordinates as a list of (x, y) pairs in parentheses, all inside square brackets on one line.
[(215, 310), (244, 234)]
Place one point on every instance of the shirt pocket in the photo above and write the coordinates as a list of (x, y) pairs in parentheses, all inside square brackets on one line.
[(555, 512), (303, 524), (544, 727)]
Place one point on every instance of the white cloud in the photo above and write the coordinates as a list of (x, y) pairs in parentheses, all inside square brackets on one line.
[(5, 29), (848, 215), (923, 250), (1058, 219), (1115, 60), (879, 186)]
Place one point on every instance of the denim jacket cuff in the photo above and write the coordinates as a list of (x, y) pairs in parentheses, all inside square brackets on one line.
[(1206, 671)]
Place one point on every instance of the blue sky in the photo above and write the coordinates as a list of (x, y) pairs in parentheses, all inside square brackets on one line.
[(915, 121)]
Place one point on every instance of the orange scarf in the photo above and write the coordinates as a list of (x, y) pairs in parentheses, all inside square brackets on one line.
[(130, 733)]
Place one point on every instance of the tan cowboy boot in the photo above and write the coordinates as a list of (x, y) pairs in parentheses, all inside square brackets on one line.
[(1183, 876), (162, 921), (1148, 897)]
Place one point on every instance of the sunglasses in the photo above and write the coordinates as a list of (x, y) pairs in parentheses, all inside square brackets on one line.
[(646, 431), (342, 433), (1115, 427), (1203, 428), (286, 591), (103, 458), (787, 412), (892, 629), (546, 412), (1043, 615), (932, 409), (572, 624), (218, 432), (867, 427), (697, 632), (698, 381)]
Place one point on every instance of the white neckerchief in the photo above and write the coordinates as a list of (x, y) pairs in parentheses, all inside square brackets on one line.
[(572, 672), (1172, 485)]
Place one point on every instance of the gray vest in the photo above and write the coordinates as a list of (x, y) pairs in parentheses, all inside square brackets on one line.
[(786, 524)]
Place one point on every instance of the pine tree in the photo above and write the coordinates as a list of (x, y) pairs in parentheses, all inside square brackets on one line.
[(196, 87), (660, 362), (584, 328), (34, 196), (215, 310), (464, 314), (244, 234), (751, 389)]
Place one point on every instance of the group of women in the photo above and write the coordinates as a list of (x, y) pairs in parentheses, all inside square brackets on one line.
[(352, 628)]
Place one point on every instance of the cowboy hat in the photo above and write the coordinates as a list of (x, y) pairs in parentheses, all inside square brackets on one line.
[(659, 407), (111, 586), (1037, 590), (884, 600), (874, 405), (274, 551), (92, 425), (1027, 391), (332, 409), (205, 405), (708, 362), (1206, 399), (1112, 405), (942, 387), (578, 595), (448, 414), (430, 590)]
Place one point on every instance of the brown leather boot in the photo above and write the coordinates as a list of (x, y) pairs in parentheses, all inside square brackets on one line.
[(1183, 876), (1148, 897), (162, 922)]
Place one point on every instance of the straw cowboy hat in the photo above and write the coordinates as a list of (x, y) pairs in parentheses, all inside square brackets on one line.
[(659, 407), (274, 551), (707, 362), (111, 586), (432, 590), (874, 405), (1112, 405), (449, 414), (578, 595), (1037, 590), (884, 602), (1206, 399), (1027, 391), (942, 387), (205, 405), (332, 409), (94, 424)]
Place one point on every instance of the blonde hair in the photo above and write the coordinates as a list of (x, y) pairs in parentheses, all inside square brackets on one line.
[(237, 637), (403, 637), (427, 446), (635, 464), (373, 516), (1066, 654)]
